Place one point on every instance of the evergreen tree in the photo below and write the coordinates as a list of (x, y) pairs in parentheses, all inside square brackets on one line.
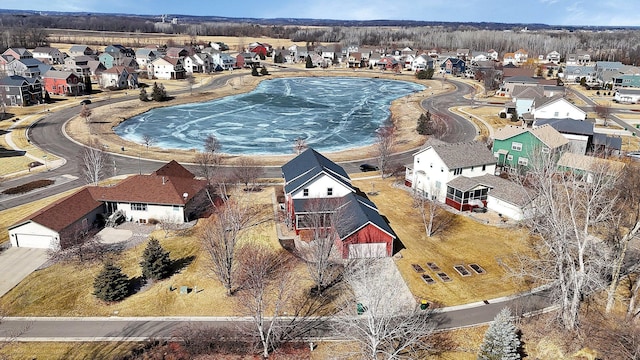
[(111, 284), (501, 342), (143, 95), (158, 93), (309, 62), (254, 71), (423, 124), (88, 89), (47, 97), (264, 70), (155, 263)]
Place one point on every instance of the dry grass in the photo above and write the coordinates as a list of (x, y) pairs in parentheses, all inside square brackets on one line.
[(467, 241), (10, 216), (68, 350), (66, 289)]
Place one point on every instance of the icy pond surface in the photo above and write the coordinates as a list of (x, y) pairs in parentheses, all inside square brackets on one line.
[(330, 113)]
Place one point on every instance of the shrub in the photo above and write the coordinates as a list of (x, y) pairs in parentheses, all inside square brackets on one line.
[(153, 221), (21, 189)]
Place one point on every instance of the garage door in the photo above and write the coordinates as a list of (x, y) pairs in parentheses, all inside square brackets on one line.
[(34, 241), (375, 250)]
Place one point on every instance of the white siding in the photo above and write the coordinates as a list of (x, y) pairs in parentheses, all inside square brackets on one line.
[(559, 110), (506, 209), (157, 212), (318, 188), (35, 235)]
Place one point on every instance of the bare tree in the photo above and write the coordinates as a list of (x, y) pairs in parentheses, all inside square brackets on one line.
[(434, 217), (85, 113), (148, 140), (268, 285), (571, 211), (191, 81), (208, 166), (319, 219), (384, 145), (220, 237), (299, 146), (247, 171), (211, 143), (81, 246), (95, 164), (604, 111), (168, 223), (380, 324)]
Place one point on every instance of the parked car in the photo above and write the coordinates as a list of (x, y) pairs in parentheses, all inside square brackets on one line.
[(368, 167), (85, 102), (634, 155)]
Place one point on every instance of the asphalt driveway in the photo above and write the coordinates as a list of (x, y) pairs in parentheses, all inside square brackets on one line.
[(17, 263)]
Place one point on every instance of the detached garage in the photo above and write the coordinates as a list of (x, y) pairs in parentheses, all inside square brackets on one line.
[(362, 231), (56, 225)]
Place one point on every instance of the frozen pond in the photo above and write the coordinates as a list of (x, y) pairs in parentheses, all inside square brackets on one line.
[(330, 113)]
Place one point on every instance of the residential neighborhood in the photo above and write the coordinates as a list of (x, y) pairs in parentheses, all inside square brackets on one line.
[(503, 187)]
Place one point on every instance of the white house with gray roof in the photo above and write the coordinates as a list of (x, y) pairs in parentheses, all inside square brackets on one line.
[(439, 163)]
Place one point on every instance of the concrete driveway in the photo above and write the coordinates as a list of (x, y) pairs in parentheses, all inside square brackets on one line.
[(17, 263)]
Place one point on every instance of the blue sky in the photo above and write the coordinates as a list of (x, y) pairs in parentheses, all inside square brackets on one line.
[(552, 12)]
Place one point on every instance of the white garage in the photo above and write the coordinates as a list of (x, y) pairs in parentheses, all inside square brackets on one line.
[(33, 235), (370, 250)]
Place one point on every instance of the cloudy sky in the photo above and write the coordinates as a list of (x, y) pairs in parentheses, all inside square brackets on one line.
[(551, 12)]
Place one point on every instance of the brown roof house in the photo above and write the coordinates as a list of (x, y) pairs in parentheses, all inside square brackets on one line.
[(171, 193)]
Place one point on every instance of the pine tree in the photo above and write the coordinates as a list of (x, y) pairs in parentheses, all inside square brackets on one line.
[(47, 97), (111, 284), (158, 93), (264, 70), (143, 95), (501, 342), (254, 71), (87, 85), (308, 62), (423, 122), (156, 263)]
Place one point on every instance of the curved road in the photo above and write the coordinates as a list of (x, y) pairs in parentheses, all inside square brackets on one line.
[(48, 134)]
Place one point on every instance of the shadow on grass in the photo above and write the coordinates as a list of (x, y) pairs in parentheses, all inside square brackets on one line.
[(178, 264), (136, 284)]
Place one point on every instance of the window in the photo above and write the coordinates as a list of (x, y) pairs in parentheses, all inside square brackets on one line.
[(523, 161), (329, 191), (556, 114), (138, 207), (176, 208), (509, 157), (457, 171), (484, 167), (516, 146), (305, 192), (545, 150)]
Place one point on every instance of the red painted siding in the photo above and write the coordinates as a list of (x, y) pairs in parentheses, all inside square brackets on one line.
[(367, 235)]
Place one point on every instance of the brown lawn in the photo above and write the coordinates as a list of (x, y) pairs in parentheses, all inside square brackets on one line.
[(466, 242)]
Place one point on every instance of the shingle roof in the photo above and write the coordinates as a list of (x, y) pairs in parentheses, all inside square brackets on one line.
[(306, 166), (568, 126), (610, 142), (589, 163), (508, 131), (521, 79), (527, 92), (359, 212), (55, 74), (464, 154), (16, 80), (549, 136), (64, 212), (499, 188)]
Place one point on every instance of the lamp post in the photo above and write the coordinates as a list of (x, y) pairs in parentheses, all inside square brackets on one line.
[(45, 162)]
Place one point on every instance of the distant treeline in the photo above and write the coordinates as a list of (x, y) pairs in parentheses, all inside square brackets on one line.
[(24, 29)]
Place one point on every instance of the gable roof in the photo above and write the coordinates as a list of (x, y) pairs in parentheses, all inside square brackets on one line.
[(64, 212), (527, 92), (463, 154), (499, 188), (508, 131), (165, 186), (548, 101), (17, 80), (549, 136), (359, 213), (55, 74), (306, 166)]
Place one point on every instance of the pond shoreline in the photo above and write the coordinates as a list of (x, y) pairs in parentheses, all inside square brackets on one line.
[(404, 113)]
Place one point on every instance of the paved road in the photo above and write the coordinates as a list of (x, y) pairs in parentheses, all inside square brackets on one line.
[(456, 127), (141, 328), (591, 107), (48, 135)]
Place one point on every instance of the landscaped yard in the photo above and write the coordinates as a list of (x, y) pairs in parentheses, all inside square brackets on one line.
[(466, 242)]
